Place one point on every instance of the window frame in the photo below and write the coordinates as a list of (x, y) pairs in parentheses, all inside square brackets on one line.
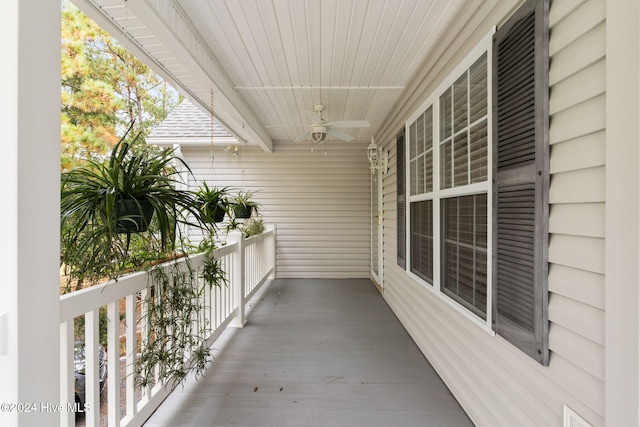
[(484, 46)]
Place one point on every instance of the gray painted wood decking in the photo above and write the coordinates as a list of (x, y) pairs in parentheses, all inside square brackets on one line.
[(315, 353)]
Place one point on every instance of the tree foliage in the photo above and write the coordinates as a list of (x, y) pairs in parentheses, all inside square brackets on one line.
[(104, 90)]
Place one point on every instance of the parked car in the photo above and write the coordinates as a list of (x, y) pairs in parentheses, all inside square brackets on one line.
[(79, 362)]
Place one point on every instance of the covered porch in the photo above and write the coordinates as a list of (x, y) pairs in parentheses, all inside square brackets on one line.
[(315, 352), (284, 351), (593, 248)]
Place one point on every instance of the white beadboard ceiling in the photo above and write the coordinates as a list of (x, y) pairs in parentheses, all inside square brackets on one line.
[(269, 61)]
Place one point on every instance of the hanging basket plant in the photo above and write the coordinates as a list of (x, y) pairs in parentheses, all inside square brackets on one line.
[(212, 202), (133, 215), (244, 205), (242, 211), (104, 203), (218, 214)]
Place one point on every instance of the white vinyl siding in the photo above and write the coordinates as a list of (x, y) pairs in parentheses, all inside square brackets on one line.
[(320, 203), (577, 196), (497, 384)]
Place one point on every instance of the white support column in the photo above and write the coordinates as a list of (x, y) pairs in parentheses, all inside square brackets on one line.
[(622, 392), (29, 261), (237, 278)]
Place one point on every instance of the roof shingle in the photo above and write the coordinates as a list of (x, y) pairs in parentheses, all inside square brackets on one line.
[(188, 121)]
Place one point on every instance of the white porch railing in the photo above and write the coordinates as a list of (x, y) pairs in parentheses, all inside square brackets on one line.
[(248, 264)]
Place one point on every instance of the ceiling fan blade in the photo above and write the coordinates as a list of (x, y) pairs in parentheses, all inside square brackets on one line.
[(303, 136), (351, 124), (340, 135)]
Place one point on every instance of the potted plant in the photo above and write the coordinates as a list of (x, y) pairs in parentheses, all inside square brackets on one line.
[(213, 203), (101, 239), (243, 205), (253, 227), (101, 202)]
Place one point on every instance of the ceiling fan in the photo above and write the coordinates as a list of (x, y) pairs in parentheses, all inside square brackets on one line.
[(320, 128)]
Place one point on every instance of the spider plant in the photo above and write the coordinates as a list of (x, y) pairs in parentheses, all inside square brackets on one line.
[(96, 227), (212, 202), (244, 205), (212, 271)]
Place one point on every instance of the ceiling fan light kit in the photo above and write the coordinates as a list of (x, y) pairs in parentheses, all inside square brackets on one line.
[(320, 128), (318, 133)]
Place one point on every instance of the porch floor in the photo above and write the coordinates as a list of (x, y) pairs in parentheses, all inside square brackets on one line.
[(315, 353)]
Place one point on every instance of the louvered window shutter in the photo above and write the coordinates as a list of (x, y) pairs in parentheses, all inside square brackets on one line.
[(401, 205), (521, 179)]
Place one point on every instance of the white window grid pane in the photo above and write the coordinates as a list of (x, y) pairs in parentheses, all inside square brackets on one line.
[(463, 106), (421, 154), (465, 252)]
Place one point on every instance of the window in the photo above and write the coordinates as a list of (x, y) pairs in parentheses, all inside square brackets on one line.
[(421, 184), (448, 204), (478, 210), (463, 128), (464, 161), (464, 254), (422, 239), (421, 153)]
